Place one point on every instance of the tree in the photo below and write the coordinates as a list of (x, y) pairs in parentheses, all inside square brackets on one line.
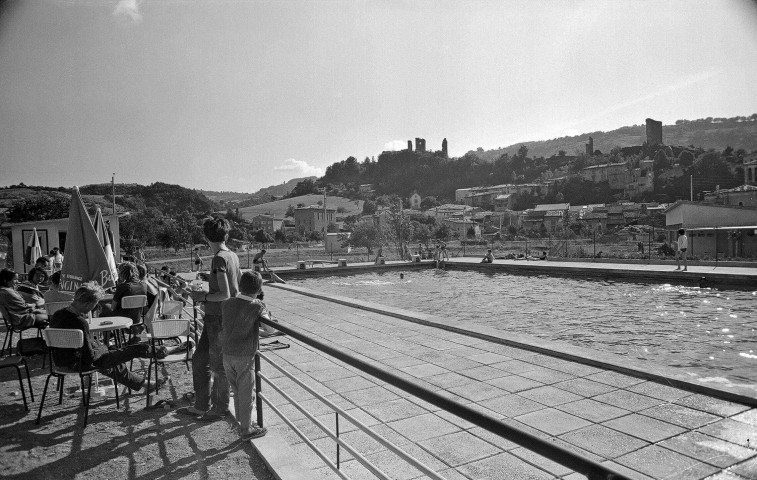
[(442, 232), (332, 228), (369, 207), (366, 235), (39, 208), (523, 152), (290, 211), (429, 202), (685, 158), (261, 236)]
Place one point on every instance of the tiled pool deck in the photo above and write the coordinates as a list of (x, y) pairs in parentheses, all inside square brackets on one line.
[(642, 428)]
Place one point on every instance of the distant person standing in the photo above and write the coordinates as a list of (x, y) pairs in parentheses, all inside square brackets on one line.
[(683, 245), (57, 258), (198, 259)]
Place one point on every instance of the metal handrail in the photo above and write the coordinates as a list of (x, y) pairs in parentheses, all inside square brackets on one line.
[(335, 436), (563, 456)]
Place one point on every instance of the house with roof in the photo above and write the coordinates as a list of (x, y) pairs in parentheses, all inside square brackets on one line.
[(616, 174), (750, 169), (313, 218), (415, 201), (267, 223), (714, 230), (503, 202), (744, 195)]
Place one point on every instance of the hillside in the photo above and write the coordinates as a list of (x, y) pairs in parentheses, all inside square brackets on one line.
[(740, 133), (279, 207), (229, 199)]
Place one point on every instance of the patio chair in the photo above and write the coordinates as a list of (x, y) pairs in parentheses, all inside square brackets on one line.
[(16, 362), (60, 338), (168, 330), (11, 329), (135, 302), (171, 309)]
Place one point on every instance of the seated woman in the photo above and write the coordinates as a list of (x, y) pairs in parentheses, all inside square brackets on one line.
[(53, 294), (151, 286), (128, 285), (22, 314), (30, 289)]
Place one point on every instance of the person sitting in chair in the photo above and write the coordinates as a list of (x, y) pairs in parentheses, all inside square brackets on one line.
[(111, 363), (54, 294), (22, 314), (128, 285), (30, 289)]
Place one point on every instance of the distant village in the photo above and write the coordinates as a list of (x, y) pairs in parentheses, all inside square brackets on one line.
[(723, 221)]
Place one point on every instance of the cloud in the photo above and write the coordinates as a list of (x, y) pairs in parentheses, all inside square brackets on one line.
[(128, 9), (395, 145), (300, 168)]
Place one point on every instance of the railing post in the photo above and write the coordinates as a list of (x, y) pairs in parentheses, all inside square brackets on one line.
[(337, 436), (258, 400)]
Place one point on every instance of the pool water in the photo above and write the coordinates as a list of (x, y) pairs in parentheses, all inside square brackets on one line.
[(709, 334)]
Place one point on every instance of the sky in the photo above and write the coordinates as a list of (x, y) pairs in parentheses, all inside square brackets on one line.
[(239, 95)]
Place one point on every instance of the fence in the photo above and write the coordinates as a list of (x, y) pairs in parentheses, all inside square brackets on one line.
[(578, 463)]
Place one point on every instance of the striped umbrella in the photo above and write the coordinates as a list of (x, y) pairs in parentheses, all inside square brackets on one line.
[(103, 234), (33, 249)]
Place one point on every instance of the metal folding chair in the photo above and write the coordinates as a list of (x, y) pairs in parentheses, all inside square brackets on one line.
[(167, 330), (10, 330), (16, 362), (61, 338)]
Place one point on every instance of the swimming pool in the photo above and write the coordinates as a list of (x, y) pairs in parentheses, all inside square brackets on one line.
[(704, 332)]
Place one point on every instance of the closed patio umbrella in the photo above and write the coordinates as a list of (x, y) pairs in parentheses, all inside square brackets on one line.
[(104, 236), (33, 249), (85, 258)]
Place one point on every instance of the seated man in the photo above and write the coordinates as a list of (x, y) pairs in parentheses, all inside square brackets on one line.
[(53, 294), (258, 262), (111, 363), (488, 258)]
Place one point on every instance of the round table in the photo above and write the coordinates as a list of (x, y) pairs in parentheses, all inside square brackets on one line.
[(109, 324)]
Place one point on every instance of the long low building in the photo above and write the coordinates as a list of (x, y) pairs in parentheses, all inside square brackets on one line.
[(714, 230)]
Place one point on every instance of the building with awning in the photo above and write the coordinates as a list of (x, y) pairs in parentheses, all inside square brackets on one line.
[(714, 231), (52, 233)]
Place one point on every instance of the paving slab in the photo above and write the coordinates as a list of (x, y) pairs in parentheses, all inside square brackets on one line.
[(647, 429)]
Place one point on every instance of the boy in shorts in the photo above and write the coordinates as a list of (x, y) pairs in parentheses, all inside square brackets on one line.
[(239, 343)]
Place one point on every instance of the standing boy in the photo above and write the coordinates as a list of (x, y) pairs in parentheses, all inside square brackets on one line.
[(683, 245), (240, 341), (212, 403)]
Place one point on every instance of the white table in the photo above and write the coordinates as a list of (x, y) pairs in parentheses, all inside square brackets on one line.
[(106, 324)]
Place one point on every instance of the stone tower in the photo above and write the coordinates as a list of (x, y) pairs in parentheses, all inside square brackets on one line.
[(420, 145), (590, 147), (409, 145), (444, 148), (654, 132)]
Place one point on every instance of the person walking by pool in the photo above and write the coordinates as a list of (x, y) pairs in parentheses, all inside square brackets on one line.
[(443, 257), (240, 342), (379, 254), (57, 259), (683, 245), (488, 258), (212, 403)]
